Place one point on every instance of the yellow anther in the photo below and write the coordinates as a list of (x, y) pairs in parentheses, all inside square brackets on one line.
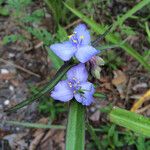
[(70, 36), (75, 41), (81, 37)]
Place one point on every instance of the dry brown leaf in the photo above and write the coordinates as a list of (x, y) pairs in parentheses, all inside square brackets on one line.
[(38, 134), (119, 81), (7, 76)]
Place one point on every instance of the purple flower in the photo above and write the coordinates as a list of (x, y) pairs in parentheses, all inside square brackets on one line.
[(78, 46), (76, 86)]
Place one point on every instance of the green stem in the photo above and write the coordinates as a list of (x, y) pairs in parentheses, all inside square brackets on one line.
[(76, 127), (61, 72)]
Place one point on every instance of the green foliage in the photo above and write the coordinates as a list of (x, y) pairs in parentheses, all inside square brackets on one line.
[(55, 6), (131, 120), (33, 125), (41, 34), (147, 31), (12, 38), (18, 5), (4, 11), (35, 16), (75, 138), (130, 12), (127, 30), (113, 138), (94, 136), (112, 60), (61, 35)]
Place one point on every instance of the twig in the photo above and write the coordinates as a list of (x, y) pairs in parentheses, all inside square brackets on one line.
[(143, 109), (20, 68), (73, 23), (128, 90), (138, 104)]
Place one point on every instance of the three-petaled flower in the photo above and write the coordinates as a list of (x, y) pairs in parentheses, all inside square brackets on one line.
[(78, 46), (76, 86)]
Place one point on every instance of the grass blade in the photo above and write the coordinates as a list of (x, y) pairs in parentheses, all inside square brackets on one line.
[(99, 29), (129, 13), (130, 120), (94, 136), (76, 127), (33, 125)]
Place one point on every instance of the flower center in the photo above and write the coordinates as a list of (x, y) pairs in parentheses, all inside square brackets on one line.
[(76, 41), (74, 84)]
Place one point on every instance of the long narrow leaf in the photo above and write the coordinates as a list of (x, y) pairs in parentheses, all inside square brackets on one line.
[(130, 120), (45, 89), (76, 127), (34, 125), (99, 29)]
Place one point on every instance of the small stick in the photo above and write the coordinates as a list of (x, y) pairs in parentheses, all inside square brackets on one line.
[(143, 109), (19, 67), (138, 104), (73, 23)]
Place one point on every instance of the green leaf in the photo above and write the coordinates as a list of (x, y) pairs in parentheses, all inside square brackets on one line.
[(36, 16), (129, 13), (94, 137), (57, 62), (12, 38), (76, 127), (99, 29), (130, 120), (99, 95), (4, 11), (147, 30), (33, 125), (41, 34), (55, 8), (61, 72), (61, 34)]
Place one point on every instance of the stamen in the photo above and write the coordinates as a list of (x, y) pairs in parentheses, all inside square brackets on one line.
[(70, 36), (81, 37), (75, 41)]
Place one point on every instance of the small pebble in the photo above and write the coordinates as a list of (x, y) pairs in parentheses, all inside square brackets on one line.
[(17, 128), (4, 71), (6, 102), (11, 55), (11, 88)]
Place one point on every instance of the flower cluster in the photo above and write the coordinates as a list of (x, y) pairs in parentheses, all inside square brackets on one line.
[(76, 84), (78, 46)]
